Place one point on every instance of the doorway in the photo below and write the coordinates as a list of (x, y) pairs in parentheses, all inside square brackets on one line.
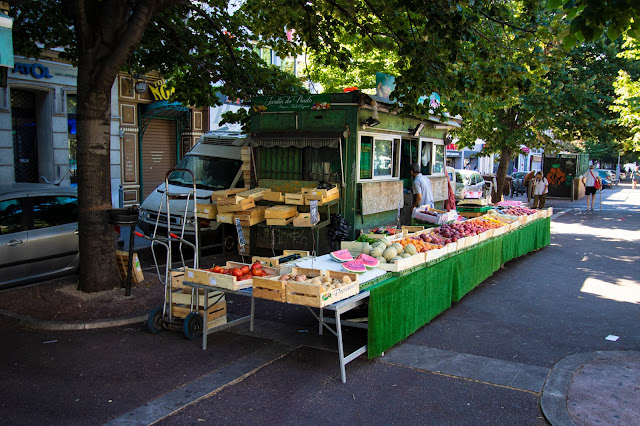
[(25, 135)]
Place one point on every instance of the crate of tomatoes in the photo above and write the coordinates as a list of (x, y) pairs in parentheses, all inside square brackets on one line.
[(232, 276)]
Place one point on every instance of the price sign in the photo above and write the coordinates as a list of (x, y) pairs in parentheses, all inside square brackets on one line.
[(313, 208), (241, 241)]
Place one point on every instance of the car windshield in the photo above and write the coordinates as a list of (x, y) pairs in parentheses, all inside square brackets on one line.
[(211, 173)]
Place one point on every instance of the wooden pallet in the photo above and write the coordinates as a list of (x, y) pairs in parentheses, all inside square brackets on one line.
[(123, 263)]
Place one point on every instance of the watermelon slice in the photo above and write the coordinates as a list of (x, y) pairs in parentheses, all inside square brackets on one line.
[(355, 266), (369, 261), (341, 255)]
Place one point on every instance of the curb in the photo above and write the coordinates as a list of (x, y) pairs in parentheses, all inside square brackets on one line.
[(553, 401), (36, 324)]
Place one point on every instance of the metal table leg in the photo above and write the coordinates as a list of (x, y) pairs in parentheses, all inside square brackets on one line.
[(204, 317), (343, 374), (253, 310)]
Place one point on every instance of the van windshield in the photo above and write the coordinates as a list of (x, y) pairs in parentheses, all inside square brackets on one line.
[(211, 173)]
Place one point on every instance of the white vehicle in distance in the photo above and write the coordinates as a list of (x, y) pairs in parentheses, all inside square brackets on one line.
[(216, 163)]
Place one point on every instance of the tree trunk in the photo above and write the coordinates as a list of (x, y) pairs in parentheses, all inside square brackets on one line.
[(98, 269), (505, 157)]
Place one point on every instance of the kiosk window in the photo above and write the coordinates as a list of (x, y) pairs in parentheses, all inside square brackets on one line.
[(379, 157)]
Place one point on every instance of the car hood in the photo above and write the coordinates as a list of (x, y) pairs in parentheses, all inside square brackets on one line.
[(176, 206)]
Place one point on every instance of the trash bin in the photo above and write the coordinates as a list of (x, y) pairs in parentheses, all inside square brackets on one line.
[(126, 217)]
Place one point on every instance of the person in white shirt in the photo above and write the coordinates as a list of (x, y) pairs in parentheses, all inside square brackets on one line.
[(589, 179), (540, 190), (423, 196)]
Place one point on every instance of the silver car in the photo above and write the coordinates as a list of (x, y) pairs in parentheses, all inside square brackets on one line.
[(38, 232)]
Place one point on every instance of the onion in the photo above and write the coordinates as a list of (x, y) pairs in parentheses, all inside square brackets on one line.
[(285, 277)]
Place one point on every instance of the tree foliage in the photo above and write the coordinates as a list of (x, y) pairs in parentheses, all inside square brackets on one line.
[(627, 102)]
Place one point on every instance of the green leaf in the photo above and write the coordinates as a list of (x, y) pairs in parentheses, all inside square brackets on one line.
[(554, 4)]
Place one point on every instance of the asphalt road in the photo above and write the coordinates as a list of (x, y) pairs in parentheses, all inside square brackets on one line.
[(562, 300)]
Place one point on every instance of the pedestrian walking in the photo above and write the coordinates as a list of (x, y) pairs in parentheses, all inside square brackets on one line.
[(635, 177), (590, 181), (423, 196), (528, 179), (540, 190)]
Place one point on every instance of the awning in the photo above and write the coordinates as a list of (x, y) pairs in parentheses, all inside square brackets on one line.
[(299, 142), (164, 109)]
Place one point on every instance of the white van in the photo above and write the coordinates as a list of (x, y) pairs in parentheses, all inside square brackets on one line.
[(216, 162)]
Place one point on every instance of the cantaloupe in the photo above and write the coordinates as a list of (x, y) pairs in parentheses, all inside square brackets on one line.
[(366, 249), (398, 247), (381, 259), (405, 255), (410, 249), (390, 253), (379, 244), (376, 252)]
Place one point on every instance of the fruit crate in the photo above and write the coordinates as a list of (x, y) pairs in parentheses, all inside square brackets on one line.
[(122, 258), (206, 210), (307, 294), (405, 263), (228, 282), (271, 288), (181, 301), (281, 262)]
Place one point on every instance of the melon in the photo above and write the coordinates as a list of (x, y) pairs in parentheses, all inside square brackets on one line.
[(410, 249), (398, 247), (341, 255), (379, 245), (355, 266), (386, 241), (366, 249), (381, 259), (395, 259), (376, 252), (405, 255), (390, 253), (369, 262)]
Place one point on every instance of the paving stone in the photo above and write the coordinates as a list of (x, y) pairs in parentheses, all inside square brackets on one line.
[(498, 372), (530, 377), (416, 356), (465, 365)]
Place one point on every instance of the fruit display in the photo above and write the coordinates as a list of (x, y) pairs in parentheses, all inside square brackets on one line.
[(519, 211), (328, 283), (364, 238), (421, 243), (341, 255), (369, 262), (386, 231), (245, 272)]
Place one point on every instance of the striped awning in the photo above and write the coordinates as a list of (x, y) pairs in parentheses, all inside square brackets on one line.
[(298, 142)]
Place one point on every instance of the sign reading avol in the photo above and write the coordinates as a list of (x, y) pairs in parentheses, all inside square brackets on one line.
[(291, 103)]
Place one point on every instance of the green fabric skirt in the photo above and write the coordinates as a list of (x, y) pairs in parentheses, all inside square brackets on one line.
[(399, 306)]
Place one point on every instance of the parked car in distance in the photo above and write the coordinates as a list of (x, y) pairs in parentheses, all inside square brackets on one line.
[(518, 175), (612, 175), (38, 232), (466, 180), (605, 177)]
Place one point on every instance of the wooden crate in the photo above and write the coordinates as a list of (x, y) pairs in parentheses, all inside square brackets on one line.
[(276, 261), (224, 193), (303, 220), (338, 275), (411, 229), (321, 194), (273, 196), (250, 217), (279, 222), (227, 201), (434, 254), (256, 193), (246, 167), (123, 262), (244, 204), (225, 218), (270, 288), (280, 212), (207, 211), (216, 314), (307, 294), (354, 246), (296, 198), (222, 280), (405, 263)]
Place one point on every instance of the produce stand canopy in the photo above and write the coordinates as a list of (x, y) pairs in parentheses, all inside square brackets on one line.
[(300, 142)]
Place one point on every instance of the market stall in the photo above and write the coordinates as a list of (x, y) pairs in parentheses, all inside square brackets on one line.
[(407, 278)]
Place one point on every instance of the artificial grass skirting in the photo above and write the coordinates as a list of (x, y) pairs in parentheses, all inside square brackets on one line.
[(401, 305)]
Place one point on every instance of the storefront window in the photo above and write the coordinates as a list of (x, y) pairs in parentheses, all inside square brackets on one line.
[(72, 108), (432, 158), (438, 163), (379, 157)]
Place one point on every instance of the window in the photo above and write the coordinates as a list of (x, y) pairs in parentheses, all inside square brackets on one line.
[(432, 157), (53, 211), (379, 157), (10, 216)]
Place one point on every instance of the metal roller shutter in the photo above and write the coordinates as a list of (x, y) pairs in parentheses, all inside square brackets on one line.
[(158, 153)]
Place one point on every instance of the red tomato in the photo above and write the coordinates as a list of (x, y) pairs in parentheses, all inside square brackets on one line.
[(236, 272), (263, 273), (256, 265), (245, 277), (256, 272), (245, 269), (217, 269)]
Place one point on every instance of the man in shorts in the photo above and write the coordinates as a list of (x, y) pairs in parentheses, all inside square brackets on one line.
[(635, 177), (589, 179)]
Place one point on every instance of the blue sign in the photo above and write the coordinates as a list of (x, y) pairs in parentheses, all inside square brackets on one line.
[(35, 70)]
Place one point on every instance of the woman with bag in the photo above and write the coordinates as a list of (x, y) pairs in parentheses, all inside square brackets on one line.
[(591, 185)]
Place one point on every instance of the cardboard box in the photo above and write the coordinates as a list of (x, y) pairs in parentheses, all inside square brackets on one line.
[(207, 211), (280, 212)]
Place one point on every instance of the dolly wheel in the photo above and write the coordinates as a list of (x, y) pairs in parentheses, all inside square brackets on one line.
[(192, 326), (155, 323)]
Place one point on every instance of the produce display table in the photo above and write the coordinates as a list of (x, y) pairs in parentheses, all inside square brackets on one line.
[(399, 306)]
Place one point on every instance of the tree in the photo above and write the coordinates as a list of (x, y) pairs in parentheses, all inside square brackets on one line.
[(193, 43), (627, 102)]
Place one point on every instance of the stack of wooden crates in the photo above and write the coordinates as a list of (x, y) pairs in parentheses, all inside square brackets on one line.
[(181, 301)]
